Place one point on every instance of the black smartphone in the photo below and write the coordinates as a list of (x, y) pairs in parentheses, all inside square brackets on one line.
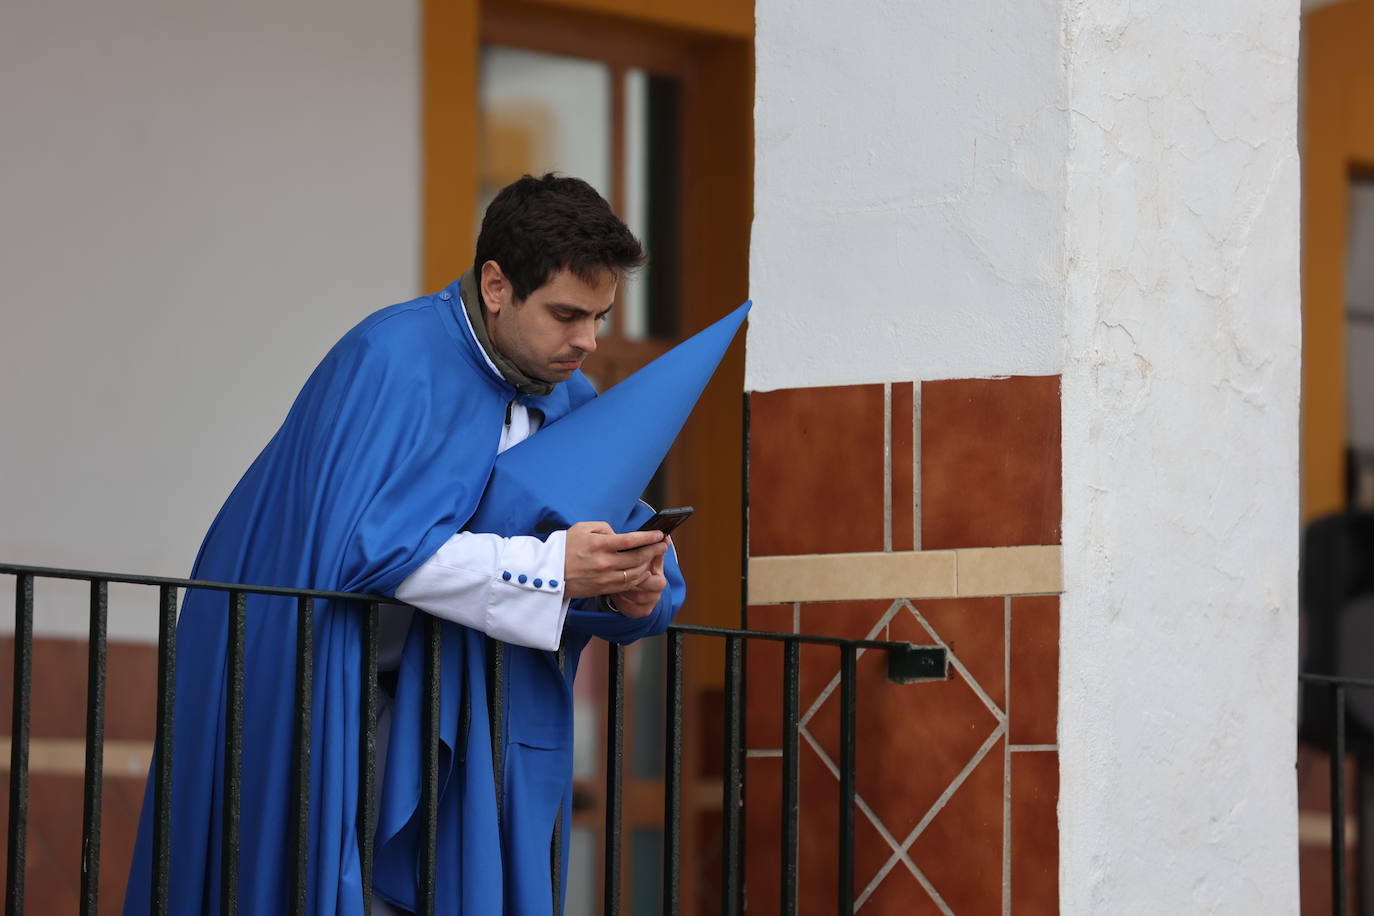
[(665, 520)]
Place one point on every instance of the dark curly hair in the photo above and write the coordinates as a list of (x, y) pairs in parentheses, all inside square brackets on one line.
[(538, 226)]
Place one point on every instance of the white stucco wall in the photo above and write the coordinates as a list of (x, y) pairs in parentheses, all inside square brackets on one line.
[(195, 200), (909, 191), (976, 189), (1179, 631)]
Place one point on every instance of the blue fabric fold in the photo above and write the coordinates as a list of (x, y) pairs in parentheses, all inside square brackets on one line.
[(387, 452)]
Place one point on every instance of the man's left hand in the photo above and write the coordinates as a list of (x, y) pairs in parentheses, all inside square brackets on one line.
[(640, 600)]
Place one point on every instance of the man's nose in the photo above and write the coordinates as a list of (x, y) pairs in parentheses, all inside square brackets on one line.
[(584, 338)]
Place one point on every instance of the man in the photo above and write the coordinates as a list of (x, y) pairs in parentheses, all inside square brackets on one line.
[(371, 485)]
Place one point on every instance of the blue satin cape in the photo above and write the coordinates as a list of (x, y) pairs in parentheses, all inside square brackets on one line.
[(384, 455)]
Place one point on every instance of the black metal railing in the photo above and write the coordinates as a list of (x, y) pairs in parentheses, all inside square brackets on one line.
[(906, 663), (1338, 688)]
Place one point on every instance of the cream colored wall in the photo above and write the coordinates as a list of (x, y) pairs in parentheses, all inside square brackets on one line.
[(197, 200)]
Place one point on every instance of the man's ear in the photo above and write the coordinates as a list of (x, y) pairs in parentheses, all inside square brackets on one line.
[(496, 289)]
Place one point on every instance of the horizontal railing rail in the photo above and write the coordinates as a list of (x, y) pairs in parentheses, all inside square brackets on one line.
[(1339, 686), (906, 663)]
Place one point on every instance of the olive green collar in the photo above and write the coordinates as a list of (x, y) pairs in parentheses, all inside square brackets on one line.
[(472, 302)]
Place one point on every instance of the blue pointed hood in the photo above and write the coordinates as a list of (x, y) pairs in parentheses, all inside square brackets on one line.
[(594, 463)]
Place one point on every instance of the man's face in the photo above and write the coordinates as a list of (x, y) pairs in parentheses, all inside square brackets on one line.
[(552, 330)]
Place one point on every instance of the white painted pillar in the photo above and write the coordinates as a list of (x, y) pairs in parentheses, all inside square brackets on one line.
[(1108, 191), (1179, 622)]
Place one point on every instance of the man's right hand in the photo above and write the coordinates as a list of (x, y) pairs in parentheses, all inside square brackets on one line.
[(593, 563)]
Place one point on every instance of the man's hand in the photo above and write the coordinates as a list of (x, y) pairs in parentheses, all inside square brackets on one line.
[(593, 564), (639, 601)]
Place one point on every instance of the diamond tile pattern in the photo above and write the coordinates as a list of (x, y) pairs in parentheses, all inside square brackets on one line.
[(939, 815), (913, 739)]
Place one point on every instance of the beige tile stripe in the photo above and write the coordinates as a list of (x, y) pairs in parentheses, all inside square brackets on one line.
[(1314, 829), (67, 757), (961, 573)]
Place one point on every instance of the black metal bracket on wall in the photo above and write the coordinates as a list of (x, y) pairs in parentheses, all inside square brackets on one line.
[(915, 664)]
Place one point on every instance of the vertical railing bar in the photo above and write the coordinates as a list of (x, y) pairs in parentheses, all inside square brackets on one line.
[(300, 828), (848, 706), (162, 785), (233, 756), (1338, 801), (790, 736), (429, 783), (732, 788), (95, 748), (615, 761), (556, 845), (496, 710), (367, 752), (672, 777), (19, 744)]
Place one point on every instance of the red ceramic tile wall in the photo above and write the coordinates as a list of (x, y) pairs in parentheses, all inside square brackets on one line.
[(1314, 855), (1034, 833), (763, 676), (973, 630), (990, 462), (53, 867), (816, 470), (960, 851), (903, 466), (762, 838), (915, 743), (1034, 669), (980, 469), (58, 687), (820, 665), (52, 874), (913, 739)]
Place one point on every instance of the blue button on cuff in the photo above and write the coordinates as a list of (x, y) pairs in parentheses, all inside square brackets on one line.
[(522, 578), (553, 583), (506, 575), (538, 583)]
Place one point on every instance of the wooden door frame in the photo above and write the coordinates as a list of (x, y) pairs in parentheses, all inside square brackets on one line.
[(710, 49)]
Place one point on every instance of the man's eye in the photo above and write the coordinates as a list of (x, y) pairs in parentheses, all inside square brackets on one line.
[(564, 316), (601, 319)]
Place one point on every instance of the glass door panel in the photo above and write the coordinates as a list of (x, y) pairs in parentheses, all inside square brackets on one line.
[(618, 128)]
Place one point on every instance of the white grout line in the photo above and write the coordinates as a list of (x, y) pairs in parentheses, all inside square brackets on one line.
[(953, 787), (1033, 747), (1006, 759), (959, 666), (916, 872), (763, 752), (896, 857), (897, 853), (916, 466), (901, 853), (887, 466), (820, 752), (835, 681)]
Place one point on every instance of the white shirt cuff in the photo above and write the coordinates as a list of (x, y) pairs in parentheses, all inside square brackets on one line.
[(508, 588)]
